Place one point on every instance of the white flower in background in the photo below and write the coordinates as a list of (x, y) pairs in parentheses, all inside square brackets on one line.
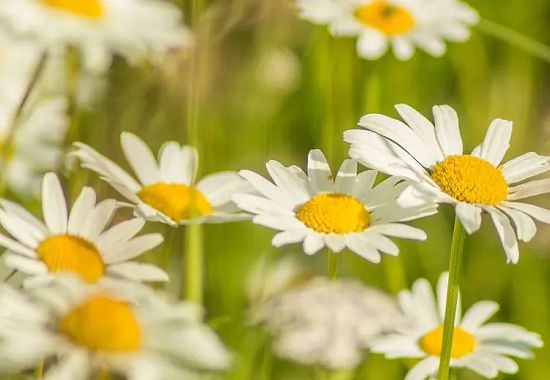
[(401, 24), (319, 211), (479, 346), (99, 28), (329, 323), (433, 158), (167, 191), (146, 336), (75, 242)]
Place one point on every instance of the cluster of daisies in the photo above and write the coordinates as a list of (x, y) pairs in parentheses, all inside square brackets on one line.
[(83, 308)]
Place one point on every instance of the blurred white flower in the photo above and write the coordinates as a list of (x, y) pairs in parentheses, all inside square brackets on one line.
[(279, 69), (84, 332), (329, 323), (167, 191), (401, 24), (75, 241), (99, 28), (477, 345), (318, 210)]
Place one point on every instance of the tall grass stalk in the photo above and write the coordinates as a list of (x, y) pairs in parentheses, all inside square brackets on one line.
[(455, 266)]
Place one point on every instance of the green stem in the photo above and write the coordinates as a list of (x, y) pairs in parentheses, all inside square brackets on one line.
[(455, 265), (39, 371), (516, 39), (193, 264), (332, 264)]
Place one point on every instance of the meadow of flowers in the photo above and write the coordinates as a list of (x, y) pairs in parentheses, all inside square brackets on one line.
[(266, 189)]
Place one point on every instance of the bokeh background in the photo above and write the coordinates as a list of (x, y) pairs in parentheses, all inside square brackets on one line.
[(263, 85)]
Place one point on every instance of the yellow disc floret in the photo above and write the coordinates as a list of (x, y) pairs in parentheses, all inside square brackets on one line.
[(102, 323), (85, 8), (471, 179), (388, 18), (334, 213), (67, 253), (175, 200), (463, 342)]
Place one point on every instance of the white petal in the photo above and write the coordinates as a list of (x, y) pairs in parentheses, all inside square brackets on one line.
[(539, 213), (97, 219), (506, 234), (481, 365), (318, 171), (14, 246), (447, 130), (372, 44), (138, 271), (381, 243), (25, 264), (496, 141), (469, 215), (478, 314), (220, 187), (347, 174), (266, 188), (288, 237), (54, 206), (335, 242), (140, 158), (398, 230), (312, 244), (525, 225), (20, 230), (82, 207), (132, 249), (287, 182), (525, 166), (402, 48), (362, 248), (22, 213), (425, 369), (120, 233), (172, 166), (74, 366), (529, 189)]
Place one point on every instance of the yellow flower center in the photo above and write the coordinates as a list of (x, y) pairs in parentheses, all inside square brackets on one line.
[(463, 342), (84, 8), (334, 213), (388, 18), (175, 200), (67, 253), (102, 323), (471, 179)]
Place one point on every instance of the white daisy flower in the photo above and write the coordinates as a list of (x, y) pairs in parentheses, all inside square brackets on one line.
[(432, 156), (329, 323), (401, 24), (75, 241), (167, 191), (98, 28), (145, 337), (319, 211), (479, 346)]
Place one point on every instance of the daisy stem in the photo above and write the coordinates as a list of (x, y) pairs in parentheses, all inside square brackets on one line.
[(39, 371), (516, 39), (455, 265), (193, 264), (332, 261)]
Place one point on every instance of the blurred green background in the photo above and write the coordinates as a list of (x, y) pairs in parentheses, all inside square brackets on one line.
[(271, 86)]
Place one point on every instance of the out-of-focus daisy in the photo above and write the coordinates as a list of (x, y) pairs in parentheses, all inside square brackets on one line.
[(329, 323), (482, 347), (75, 242), (166, 191), (99, 28), (432, 156), (319, 211), (144, 336), (401, 24)]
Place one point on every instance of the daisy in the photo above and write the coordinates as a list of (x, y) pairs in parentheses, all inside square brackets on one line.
[(328, 323), (167, 191), (75, 241), (98, 28), (432, 156), (401, 24), (319, 211), (479, 346), (146, 336)]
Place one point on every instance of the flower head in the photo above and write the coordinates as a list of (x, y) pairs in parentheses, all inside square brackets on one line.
[(167, 191), (401, 24), (319, 211), (432, 156), (479, 346), (146, 335), (329, 323), (76, 241), (133, 28)]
